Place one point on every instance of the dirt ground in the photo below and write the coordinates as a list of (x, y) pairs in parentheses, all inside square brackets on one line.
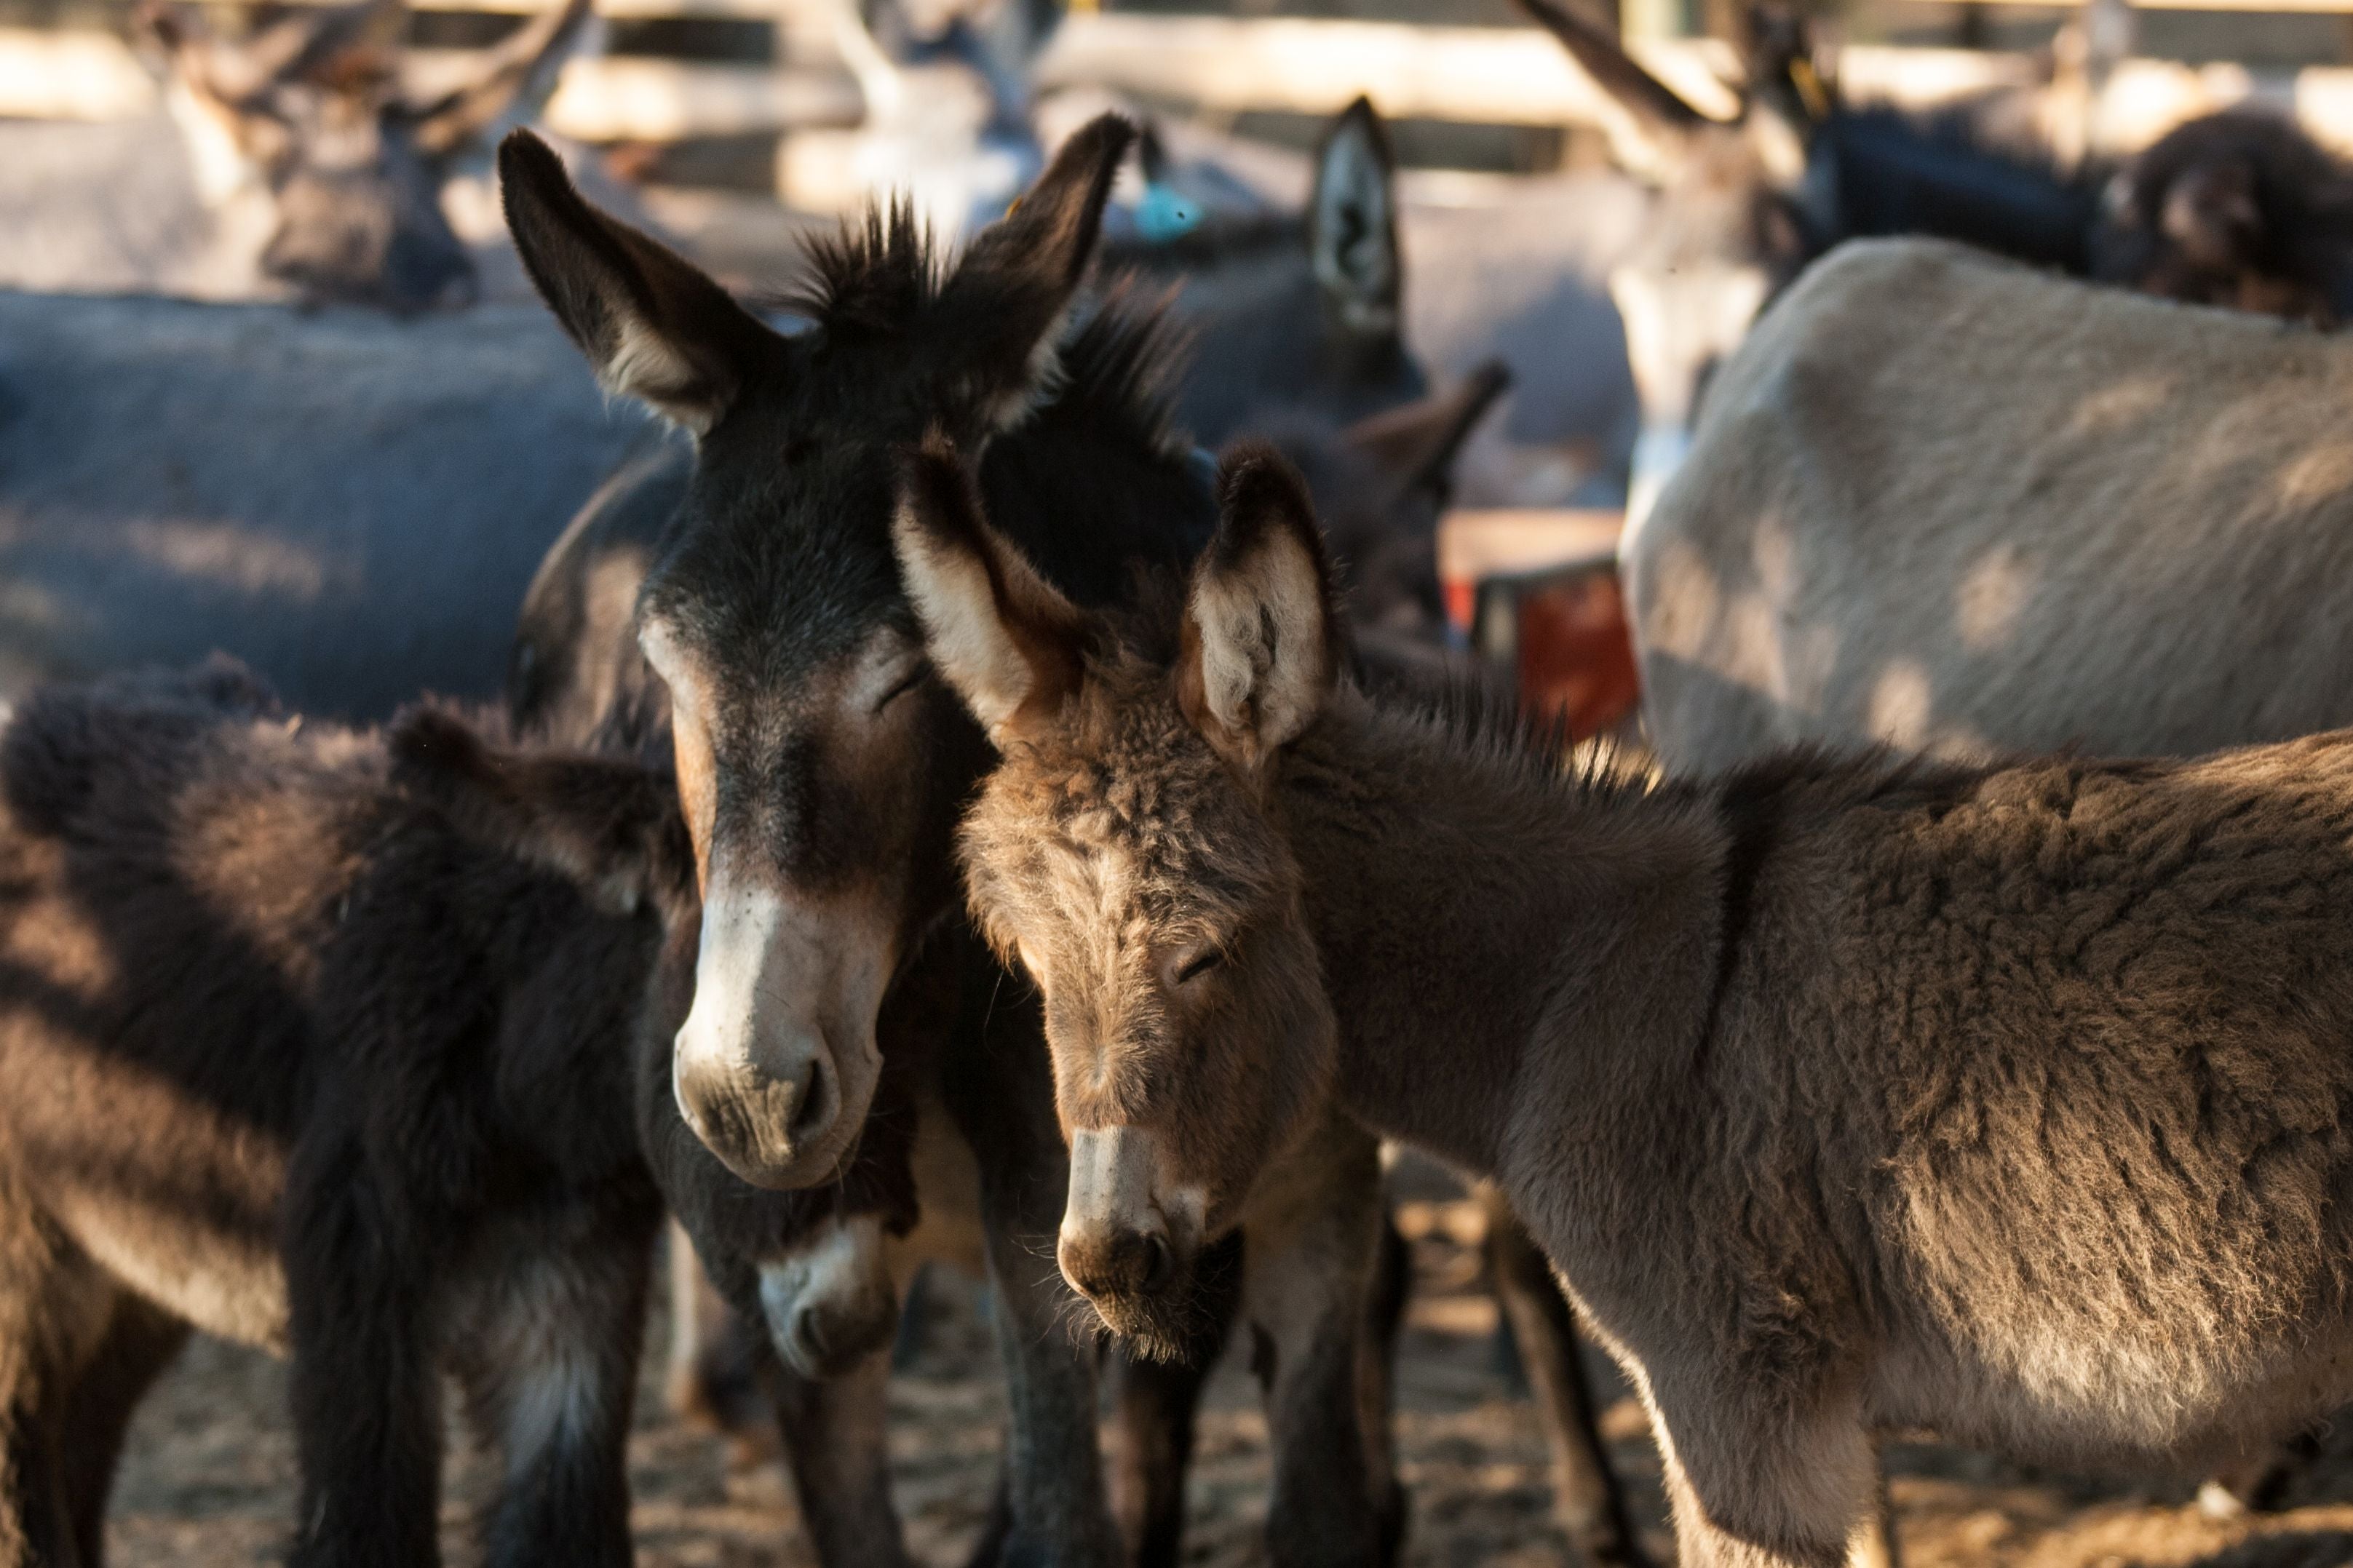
[(208, 1480)]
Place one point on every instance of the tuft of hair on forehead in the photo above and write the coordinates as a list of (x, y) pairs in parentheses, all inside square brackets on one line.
[(873, 273), (1261, 643)]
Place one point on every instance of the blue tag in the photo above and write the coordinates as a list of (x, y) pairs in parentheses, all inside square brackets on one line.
[(1163, 215)]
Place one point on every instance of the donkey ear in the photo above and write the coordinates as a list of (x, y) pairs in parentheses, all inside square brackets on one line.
[(653, 326), (610, 826), (1658, 120), (1009, 295), (1352, 236), (1261, 641), (999, 633), (1414, 446)]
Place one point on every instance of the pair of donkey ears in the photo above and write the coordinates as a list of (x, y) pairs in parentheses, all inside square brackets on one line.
[(1259, 643), (658, 329)]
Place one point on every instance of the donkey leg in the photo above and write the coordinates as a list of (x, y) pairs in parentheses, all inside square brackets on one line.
[(999, 1091), (1312, 1238), (546, 1350), (141, 1340), (834, 1434), (53, 1306), (1586, 1500), (1377, 1379), (712, 1375), (1156, 1403), (1755, 1483), (1873, 1544), (365, 1389)]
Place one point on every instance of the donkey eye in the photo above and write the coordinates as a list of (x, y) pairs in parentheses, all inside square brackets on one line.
[(915, 678), (1200, 963)]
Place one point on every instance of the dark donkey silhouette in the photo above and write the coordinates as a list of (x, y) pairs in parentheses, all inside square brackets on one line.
[(330, 1041), (821, 766)]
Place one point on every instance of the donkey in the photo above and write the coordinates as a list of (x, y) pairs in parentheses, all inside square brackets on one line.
[(1746, 206), (1962, 507), (327, 1041), (307, 120), (821, 767), (352, 505), (1844, 1093), (2242, 210), (1293, 314), (578, 677)]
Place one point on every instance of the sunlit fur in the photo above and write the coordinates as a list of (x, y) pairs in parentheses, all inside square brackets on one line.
[(1849, 1094)]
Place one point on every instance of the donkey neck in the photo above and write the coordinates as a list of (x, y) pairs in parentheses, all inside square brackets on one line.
[(1482, 919)]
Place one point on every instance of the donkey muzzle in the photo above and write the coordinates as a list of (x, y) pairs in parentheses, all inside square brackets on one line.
[(773, 1092), (831, 1303), (1128, 1236)]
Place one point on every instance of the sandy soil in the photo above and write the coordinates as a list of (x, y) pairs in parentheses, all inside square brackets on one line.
[(207, 1482)]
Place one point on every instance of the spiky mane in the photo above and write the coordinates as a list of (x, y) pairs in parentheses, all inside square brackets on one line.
[(874, 271)]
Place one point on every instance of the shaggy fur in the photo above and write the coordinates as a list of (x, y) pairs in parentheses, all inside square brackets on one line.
[(1953, 504), (1846, 1094), (328, 1042), (822, 767)]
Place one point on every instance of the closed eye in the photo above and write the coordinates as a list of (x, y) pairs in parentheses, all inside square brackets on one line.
[(1200, 963), (915, 678)]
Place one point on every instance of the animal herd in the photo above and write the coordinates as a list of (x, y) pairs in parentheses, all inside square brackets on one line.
[(936, 810)]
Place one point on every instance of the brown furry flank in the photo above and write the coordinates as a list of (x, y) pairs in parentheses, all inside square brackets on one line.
[(1849, 1094), (311, 1044)]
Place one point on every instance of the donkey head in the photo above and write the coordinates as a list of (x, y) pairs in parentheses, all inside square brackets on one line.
[(1126, 852), (2241, 209), (814, 1264), (608, 825), (818, 765), (1737, 211), (311, 109)]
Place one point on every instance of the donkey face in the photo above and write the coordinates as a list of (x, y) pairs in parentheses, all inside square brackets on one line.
[(309, 110), (818, 765), (1125, 851), (1726, 230)]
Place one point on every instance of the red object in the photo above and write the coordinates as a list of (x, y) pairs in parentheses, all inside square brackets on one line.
[(1576, 654)]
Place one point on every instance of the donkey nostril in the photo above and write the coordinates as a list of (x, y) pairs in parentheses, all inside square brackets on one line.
[(814, 1109), (1159, 1262)]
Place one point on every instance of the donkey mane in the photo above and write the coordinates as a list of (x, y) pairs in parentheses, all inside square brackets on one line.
[(872, 272)]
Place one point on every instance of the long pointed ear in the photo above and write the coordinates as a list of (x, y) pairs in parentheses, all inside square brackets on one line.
[(518, 74), (1657, 120), (1414, 446), (1351, 234), (1260, 642), (610, 826), (653, 326), (1010, 294), (999, 634)]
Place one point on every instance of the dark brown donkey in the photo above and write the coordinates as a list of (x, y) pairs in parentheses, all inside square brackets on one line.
[(329, 1042), (822, 768), (1846, 1094)]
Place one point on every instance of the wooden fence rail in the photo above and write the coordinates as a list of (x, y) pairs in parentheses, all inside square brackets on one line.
[(1506, 76)]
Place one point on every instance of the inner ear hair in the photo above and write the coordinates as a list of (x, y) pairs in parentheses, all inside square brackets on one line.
[(1008, 643), (1261, 644), (653, 326)]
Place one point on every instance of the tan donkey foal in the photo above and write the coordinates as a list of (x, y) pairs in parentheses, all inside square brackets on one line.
[(1846, 1095)]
